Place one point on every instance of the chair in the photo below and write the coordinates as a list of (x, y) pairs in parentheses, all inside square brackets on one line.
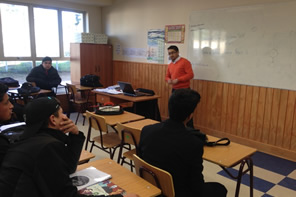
[(74, 98), (156, 176), (128, 136), (109, 141)]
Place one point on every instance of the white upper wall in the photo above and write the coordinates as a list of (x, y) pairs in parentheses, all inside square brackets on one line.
[(126, 22), (94, 24)]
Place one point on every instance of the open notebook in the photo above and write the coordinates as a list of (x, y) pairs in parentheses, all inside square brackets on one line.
[(87, 177)]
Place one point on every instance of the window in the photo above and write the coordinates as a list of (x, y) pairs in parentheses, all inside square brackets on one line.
[(46, 32), (72, 25), (18, 70), (16, 37), (28, 33)]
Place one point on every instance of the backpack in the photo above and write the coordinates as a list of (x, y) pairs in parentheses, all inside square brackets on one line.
[(10, 82), (27, 88), (90, 81)]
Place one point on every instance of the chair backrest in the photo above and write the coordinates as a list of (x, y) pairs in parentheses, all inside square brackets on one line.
[(128, 134), (97, 122), (71, 91), (156, 176)]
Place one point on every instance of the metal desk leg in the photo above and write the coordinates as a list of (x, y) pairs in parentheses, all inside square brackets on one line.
[(241, 172)]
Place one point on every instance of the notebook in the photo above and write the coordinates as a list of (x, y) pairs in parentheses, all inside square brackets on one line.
[(128, 90)]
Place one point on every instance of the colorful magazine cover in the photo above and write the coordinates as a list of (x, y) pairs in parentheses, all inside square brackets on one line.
[(102, 188)]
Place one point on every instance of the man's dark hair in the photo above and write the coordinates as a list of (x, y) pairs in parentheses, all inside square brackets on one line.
[(174, 48), (3, 90), (182, 103)]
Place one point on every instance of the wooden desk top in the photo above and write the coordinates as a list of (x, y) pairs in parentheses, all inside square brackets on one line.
[(85, 156), (112, 120), (227, 156), (77, 85), (128, 98), (140, 124), (122, 177)]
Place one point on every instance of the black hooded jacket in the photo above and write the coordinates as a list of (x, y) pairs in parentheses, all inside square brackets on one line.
[(43, 80)]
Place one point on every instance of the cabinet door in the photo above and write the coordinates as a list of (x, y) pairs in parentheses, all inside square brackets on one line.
[(88, 57), (104, 67)]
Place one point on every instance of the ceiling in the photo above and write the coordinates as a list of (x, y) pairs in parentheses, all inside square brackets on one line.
[(91, 2)]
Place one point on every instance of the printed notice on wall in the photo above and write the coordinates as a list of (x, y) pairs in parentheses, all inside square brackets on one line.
[(174, 33), (155, 51)]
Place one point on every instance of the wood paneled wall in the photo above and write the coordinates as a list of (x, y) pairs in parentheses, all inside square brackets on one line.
[(264, 118)]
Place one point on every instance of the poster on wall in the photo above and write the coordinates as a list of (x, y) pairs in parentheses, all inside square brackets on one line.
[(155, 53), (134, 52), (174, 33)]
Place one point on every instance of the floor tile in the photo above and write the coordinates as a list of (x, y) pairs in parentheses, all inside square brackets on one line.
[(292, 175), (280, 191), (274, 164), (288, 183), (259, 184)]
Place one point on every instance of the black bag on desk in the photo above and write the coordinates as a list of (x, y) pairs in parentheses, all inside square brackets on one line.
[(10, 82), (151, 92), (27, 88), (90, 81), (203, 137)]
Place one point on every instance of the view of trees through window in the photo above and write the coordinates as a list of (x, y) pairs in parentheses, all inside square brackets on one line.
[(28, 37)]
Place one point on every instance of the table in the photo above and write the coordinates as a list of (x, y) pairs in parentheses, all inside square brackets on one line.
[(102, 97), (14, 93), (112, 120), (122, 177), (230, 156), (85, 156), (143, 105)]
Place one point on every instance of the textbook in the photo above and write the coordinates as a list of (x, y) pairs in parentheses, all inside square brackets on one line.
[(89, 176), (102, 188)]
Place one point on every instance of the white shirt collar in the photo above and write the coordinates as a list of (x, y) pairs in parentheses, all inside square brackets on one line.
[(176, 60)]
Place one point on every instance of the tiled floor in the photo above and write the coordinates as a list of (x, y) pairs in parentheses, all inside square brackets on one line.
[(273, 176)]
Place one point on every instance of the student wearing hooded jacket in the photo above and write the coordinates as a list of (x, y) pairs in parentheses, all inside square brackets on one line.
[(45, 76), (40, 164)]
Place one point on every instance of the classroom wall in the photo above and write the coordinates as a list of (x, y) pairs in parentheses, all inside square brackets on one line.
[(93, 12), (126, 22), (260, 117)]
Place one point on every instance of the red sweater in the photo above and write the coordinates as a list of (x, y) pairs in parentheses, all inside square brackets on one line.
[(181, 70)]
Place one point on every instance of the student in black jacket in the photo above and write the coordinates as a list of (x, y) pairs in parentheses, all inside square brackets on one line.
[(40, 164), (45, 76), (5, 115), (171, 146)]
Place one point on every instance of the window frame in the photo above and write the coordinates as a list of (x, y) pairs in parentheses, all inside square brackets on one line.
[(33, 57)]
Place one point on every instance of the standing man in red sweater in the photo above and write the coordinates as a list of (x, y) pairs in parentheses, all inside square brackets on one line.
[(179, 72)]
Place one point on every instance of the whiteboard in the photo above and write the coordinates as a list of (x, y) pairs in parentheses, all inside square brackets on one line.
[(252, 45)]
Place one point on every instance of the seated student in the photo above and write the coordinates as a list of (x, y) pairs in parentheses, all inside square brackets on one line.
[(170, 146), (45, 76), (5, 115), (40, 164)]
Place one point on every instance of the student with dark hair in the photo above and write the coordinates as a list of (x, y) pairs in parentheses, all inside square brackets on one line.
[(170, 146), (5, 115), (40, 164), (45, 76)]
